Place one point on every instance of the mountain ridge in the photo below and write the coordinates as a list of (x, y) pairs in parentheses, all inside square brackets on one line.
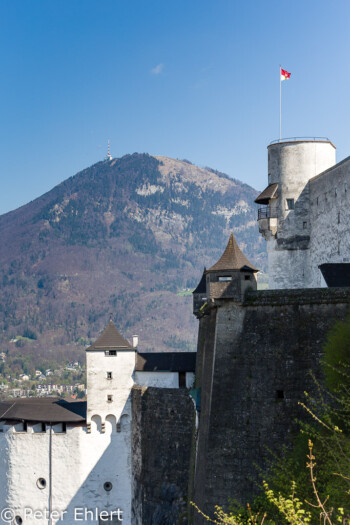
[(128, 236)]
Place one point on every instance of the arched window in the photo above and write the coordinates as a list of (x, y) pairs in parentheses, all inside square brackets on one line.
[(96, 423), (111, 424)]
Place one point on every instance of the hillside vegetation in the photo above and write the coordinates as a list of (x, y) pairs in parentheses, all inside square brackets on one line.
[(125, 237)]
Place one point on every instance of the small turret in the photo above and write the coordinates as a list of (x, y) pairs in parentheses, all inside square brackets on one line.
[(229, 278), (232, 275)]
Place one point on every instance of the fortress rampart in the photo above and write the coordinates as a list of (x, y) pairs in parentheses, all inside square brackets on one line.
[(329, 218), (253, 367), (163, 430), (304, 212)]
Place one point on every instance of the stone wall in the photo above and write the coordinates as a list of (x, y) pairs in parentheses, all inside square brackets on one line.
[(253, 368), (316, 231), (283, 263), (291, 164), (330, 218), (163, 427)]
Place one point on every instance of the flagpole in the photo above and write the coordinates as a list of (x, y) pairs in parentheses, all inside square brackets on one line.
[(280, 105)]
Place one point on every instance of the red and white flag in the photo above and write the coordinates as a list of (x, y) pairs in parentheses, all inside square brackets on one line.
[(284, 74)]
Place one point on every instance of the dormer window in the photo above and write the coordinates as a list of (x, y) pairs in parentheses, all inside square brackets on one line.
[(290, 204), (21, 427), (224, 279), (110, 352)]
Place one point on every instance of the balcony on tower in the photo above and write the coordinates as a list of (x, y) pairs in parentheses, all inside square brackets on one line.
[(267, 213)]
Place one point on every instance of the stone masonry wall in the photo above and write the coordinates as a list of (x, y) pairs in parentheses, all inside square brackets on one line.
[(163, 426), (330, 218), (255, 361), (291, 164)]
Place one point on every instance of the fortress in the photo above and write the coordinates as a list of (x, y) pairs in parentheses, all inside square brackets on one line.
[(94, 461), (305, 214), (152, 435)]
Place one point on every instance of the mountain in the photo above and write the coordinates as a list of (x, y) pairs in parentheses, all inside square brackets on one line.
[(126, 237)]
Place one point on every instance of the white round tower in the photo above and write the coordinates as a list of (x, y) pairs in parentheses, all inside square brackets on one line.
[(284, 218)]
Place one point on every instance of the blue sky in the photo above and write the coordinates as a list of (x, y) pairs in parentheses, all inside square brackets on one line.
[(194, 79)]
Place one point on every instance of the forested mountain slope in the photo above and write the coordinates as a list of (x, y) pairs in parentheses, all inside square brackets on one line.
[(124, 237)]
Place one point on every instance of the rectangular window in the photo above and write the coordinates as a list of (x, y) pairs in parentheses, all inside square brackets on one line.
[(109, 398), (317, 201), (224, 279), (338, 217), (335, 192), (247, 277), (109, 375), (290, 204), (304, 225), (110, 352), (346, 188), (182, 379)]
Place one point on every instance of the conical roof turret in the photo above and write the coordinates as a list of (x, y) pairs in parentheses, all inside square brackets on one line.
[(232, 259), (110, 339)]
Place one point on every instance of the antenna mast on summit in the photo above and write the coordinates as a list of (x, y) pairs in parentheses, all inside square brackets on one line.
[(108, 156)]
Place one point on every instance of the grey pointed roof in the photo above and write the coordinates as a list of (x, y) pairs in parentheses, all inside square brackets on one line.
[(232, 259), (110, 339)]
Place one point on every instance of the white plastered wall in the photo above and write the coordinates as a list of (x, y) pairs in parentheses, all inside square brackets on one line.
[(99, 387), (76, 466), (162, 379)]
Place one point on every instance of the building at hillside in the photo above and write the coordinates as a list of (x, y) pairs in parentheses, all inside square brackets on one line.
[(67, 458), (304, 214), (129, 453)]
